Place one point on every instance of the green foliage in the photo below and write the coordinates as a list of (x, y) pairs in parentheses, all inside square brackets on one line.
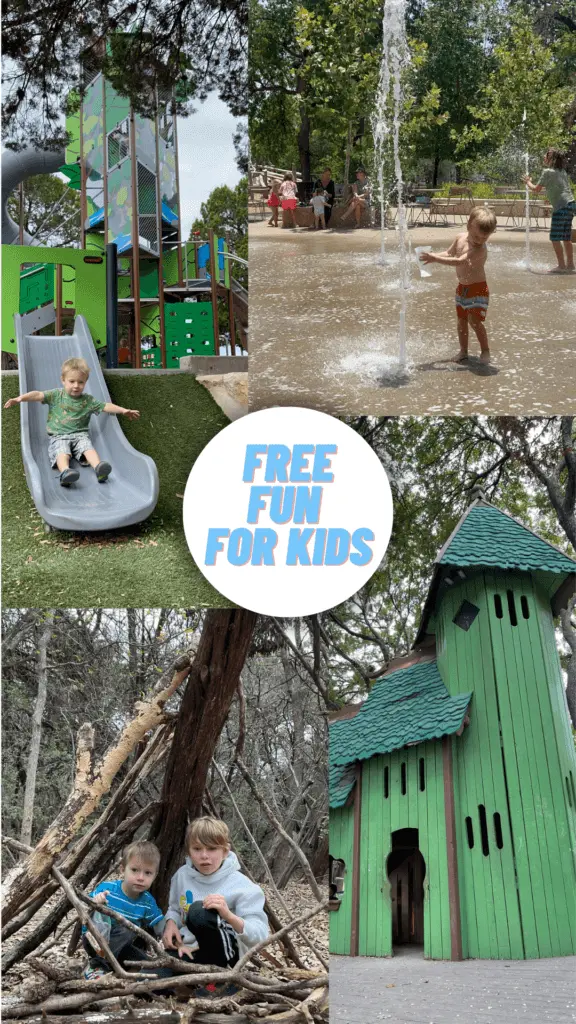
[(225, 210), (275, 59), (524, 79), (433, 464), (226, 213), (455, 65), (192, 46), (49, 204), (474, 68), (479, 189)]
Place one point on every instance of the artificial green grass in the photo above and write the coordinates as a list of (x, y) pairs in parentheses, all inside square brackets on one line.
[(148, 565)]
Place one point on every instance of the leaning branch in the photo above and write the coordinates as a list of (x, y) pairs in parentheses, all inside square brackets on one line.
[(300, 855), (90, 786)]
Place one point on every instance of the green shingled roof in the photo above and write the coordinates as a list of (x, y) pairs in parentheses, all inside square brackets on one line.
[(340, 783), (487, 536), (411, 705)]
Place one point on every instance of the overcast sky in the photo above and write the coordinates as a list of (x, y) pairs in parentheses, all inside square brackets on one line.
[(206, 156)]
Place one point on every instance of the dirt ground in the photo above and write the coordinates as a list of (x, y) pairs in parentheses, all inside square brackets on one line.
[(325, 319), (297, 896)]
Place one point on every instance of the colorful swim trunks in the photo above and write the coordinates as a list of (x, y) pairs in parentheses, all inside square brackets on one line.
[(561, 224), (472, 298)]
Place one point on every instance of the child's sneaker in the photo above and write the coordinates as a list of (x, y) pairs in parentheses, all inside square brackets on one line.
[(217, 991), (68, 476), (94, 971), (485, 356), (103, 470)]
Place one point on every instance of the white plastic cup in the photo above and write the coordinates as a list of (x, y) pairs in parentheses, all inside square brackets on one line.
[(422, 266)]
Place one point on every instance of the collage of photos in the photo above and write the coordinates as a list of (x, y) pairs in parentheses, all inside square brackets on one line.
[(289, 808)]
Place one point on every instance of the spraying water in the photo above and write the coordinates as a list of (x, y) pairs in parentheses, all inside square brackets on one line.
[(395, 57), (527, 213)]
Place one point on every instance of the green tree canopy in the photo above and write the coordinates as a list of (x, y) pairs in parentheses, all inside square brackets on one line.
[(196, 45)]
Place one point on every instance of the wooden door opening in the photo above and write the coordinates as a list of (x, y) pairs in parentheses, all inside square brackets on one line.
[(406, 870)]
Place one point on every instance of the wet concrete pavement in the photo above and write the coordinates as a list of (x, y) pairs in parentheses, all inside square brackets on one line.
[(410, 990), (325, 320)]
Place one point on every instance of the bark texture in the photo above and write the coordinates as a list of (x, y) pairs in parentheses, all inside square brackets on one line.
[(212, 684)]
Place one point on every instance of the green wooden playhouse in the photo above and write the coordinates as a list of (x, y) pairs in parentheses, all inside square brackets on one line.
[(453, 787)]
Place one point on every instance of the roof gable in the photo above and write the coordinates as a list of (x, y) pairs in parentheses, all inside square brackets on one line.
[(408, 706), (488, 536)]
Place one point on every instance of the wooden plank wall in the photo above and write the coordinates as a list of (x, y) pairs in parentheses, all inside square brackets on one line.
[(381, 816), (516, 900), (341, 843)]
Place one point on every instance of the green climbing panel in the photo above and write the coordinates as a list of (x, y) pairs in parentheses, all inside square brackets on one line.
[(36, 287), (189, 331)]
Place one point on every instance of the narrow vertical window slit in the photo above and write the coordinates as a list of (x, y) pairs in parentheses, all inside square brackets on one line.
[(470, 833), (483, 829), (498, 831)]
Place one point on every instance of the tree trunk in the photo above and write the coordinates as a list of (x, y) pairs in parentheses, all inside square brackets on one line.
[(348, 155), (435, 172), (304, 132), (36, 736), (211, 687)]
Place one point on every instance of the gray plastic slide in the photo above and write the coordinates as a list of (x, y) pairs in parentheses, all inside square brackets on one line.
[(131, 491)]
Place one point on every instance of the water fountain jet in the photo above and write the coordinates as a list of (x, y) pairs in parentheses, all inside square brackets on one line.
[(395, 57), (527, 213)]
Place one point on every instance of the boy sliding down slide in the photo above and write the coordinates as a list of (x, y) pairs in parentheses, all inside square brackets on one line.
[(69, 412), (215, 913), (468, 254)]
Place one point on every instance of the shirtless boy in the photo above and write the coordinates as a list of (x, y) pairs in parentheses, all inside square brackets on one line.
[(468, 254)]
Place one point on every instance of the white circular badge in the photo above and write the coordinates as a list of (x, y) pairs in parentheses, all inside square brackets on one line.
[(287, 512)]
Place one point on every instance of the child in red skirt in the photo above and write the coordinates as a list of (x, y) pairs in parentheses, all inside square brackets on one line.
[(274, 203), (289, 198)]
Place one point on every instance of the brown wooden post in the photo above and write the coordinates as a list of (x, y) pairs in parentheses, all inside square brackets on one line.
[(452, 851), (179, 235), (83, 207), (231, 319), (105, 163), (135, 261), (355, 921), (21, 211), (161, 310), (58, 310), (214, 288)]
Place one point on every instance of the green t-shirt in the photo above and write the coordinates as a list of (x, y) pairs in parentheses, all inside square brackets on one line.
[(558, 188), (67, 415)]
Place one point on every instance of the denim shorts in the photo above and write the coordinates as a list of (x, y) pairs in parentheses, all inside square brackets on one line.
[(69, 444)]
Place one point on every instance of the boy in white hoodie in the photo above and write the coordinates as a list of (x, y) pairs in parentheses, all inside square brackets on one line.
[(215, 913)]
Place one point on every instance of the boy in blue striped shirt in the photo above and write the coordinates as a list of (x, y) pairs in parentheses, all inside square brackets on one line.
[(129, 896)]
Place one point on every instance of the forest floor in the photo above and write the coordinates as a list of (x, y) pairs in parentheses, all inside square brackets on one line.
[(325, 318), (410, 990), (148, 565), (296, 895)]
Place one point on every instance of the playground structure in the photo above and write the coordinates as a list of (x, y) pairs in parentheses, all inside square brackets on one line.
[(149, 297), (453, 787)]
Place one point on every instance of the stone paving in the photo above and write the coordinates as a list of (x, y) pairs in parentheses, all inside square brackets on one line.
[(410, 990)]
